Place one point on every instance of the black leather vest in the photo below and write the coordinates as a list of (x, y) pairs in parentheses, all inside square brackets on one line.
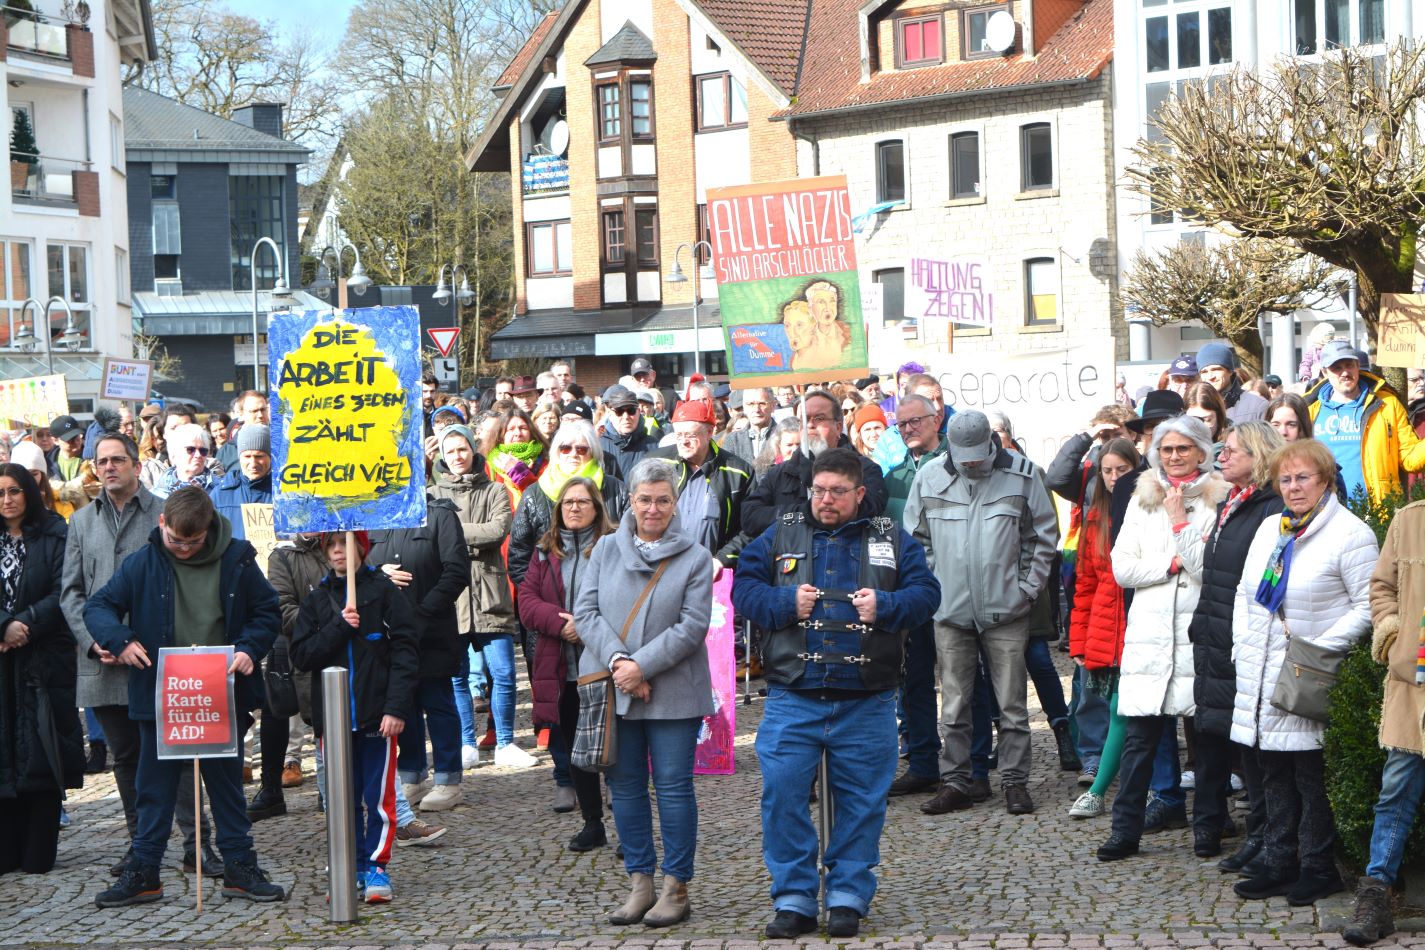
[(880, 659)]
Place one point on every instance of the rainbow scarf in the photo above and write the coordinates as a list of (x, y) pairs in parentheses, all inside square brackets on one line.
[(1420, 656), (1272, 590)]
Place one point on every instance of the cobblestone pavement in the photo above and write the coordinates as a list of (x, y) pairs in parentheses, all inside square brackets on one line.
[(502, 878)]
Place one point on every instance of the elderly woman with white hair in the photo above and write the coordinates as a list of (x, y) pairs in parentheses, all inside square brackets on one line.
[(645, 620), (1159, 555), (189, 449)]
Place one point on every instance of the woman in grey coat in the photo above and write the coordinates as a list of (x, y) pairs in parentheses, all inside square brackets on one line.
[(661, 675)]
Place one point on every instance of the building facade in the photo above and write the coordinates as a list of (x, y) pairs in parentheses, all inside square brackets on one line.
[(64, 219)]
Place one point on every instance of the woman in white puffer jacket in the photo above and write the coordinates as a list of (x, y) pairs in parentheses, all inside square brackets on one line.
[(1307, 575), (1159, 555)]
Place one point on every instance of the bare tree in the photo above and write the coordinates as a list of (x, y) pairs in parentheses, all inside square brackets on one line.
[(166, 366), (1228, 287), (1326, 155)]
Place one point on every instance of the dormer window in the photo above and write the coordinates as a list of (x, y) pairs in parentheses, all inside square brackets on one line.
[(974, 31), (920, 41)]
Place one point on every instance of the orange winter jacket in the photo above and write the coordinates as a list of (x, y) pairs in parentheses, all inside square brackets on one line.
[(1096, 625)]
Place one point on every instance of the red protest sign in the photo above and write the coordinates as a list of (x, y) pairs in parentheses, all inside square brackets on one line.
[(195, 707)]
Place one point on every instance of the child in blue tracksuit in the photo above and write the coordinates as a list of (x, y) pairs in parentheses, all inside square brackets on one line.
[(376, 641)]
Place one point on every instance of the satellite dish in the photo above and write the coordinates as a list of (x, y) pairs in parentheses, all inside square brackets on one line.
[(999, 32), (559, 138)]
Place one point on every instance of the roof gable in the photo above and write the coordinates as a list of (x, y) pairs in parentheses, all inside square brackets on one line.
[(526, 53), (628, 45)]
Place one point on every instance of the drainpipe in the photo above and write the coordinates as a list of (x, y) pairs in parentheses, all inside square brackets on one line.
[(1028, 15), (815, 147)]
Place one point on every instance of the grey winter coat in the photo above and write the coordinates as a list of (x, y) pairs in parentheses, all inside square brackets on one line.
[(94, 550), (668, 638), (483, 505), (990, 541)]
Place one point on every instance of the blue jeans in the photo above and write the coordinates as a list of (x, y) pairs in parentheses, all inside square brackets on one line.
[(1167, 781), (157, 786), (1402, 783), (96, 731), (435, 704), (1089, 713), (670, 744), (918, 699), (860, 737), (1047, 684), (495, 654)]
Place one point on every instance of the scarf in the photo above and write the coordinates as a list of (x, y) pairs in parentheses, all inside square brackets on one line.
[(515, 462), (1420, 656), (1235, 498), (554, 477), (1272, 590)]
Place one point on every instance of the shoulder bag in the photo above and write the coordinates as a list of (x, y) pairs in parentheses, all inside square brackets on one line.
[(1307, 677), (596, 736)]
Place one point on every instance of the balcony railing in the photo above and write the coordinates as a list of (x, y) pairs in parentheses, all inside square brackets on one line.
[(46, 179), (36, 33), (544, 173)]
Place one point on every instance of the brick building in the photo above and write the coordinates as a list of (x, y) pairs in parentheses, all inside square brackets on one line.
[(616, 117)]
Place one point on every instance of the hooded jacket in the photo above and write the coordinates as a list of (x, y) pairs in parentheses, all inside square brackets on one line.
[(41, 742), (785, 486), (990, 541), (235, 490), (439, 562), (1388, 443), (1397, 604), (1156, 671), (483, 507), (295, 568), (1096, 623), (623, 452), (141, 592), (381, 655)]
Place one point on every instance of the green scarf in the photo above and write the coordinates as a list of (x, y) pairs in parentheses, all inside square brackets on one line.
[(514, 462), (553, 480), (526, 452)]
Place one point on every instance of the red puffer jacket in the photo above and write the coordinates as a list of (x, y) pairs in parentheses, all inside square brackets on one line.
[(1096, 625)]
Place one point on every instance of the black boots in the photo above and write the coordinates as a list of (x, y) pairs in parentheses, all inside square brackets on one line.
[(98, 760), (1238, 859), (1068, 755), (1373, 919)]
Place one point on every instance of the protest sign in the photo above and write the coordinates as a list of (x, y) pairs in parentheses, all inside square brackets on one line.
[(194, 707), (785, 258), (130, 380), (939, 293), (257, 528), (1401, 338), (33, 400), (713, 755), (346, 425), (1047, 394)]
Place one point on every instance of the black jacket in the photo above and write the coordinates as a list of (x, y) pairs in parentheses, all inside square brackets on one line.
[(41, 743), (623, 452), (730, 479), (1215, 678), (1070, 475), (381, 656), (439, 564), (784, 488), (535, 514)]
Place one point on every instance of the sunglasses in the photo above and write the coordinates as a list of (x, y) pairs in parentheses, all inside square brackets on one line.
[(625, 411), (573, 450), (197, 450)]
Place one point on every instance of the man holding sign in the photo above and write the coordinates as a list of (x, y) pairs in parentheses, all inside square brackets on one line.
[(192, 585)]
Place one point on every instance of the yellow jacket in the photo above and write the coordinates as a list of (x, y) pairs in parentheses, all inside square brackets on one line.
[(1388, 443)]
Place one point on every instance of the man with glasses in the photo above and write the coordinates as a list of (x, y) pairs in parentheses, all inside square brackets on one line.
[(193, 584), (837, 589), (625, 440), (784, 488), (989, 531), (189, 449), (101, 536), (712, 482), (747, 443)]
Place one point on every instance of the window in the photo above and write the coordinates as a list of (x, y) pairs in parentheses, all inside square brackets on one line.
[(646, 234), (551, 249), (610, 112), (722, 102), (167, 234), (68, 266), (14, 286), (1305, 16), (974, 26), (165, 267), (919, 41), (121, 275), (1219, 36), (704, 254), (1322, 25), (1041, 287), (1036, 157), (965, 165), (640, 108), (613, 237), (890, 171), (163, 187), (1177, 42), (1155, 35), (255, 211), (1189, 41), (893, 296), (116, 143)]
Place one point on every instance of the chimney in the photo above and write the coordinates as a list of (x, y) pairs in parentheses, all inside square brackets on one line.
[(263, 116)]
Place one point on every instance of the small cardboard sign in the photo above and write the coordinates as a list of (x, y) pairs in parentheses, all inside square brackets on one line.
[(195, 709), (257, 528), (1401, 337), (130, 380)]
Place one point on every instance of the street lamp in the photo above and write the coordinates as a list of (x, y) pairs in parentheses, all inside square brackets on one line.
[(279, 290), (26, 338), (324, 284), (678, 277), (466, 297)]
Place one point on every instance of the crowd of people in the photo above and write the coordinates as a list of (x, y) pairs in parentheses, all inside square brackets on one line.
[(882, 545)]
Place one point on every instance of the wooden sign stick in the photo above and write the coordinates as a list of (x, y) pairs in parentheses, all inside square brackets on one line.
[(198, 830), (351, 568)]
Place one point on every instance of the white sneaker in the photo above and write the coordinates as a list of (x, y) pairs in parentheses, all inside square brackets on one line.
[(1188, 779), (414, 792), (469, 757), (511, 756), (1089, 805), (441, 798)]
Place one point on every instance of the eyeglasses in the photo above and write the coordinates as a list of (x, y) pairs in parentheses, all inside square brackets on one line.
[(1286, 481), (573, 450), (184, 544), (625, 411), (821, 420), (642, 501), (197, 450), (576, 503), (914, 422), (840, 491), (1177, 449), (13, 492), (117, 461)]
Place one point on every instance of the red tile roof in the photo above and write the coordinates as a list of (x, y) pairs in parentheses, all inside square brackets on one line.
[(768, 32), (517, 65), (831, 74)]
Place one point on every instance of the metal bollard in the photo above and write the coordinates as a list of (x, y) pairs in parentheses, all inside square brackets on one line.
[(341, 815)]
